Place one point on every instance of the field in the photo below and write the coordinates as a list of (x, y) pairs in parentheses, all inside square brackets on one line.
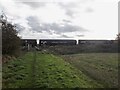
[(44, 70), (102, 67)]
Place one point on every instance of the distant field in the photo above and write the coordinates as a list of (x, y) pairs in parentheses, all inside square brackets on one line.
[(43, 70), (102, 67)]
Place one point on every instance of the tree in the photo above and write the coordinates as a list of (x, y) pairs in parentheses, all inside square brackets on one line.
[(10, 40), (118, 37)]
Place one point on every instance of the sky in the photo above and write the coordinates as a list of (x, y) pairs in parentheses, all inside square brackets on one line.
[(63, 19)]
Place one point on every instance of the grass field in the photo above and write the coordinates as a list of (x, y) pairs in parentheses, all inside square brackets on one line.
[(37, 69), (102, 67)]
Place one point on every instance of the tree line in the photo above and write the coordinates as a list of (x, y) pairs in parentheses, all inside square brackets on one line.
[(10, 40)]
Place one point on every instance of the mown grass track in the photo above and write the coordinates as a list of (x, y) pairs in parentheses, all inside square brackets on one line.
[(44, 70)]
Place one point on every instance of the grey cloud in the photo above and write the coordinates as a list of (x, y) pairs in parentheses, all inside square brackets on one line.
[(35, 4), (68, 8), (69, 13), (58, 28), (34, 23), (66, 21), (52, 28), (80, 35), (68, 5), (65, 36), (89, 10), (84, 1)]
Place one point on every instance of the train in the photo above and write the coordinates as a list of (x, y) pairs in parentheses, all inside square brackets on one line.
[(105, 42), (54, 42), (26, 42)]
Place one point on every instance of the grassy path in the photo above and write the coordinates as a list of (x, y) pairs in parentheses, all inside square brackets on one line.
[(38, 70)]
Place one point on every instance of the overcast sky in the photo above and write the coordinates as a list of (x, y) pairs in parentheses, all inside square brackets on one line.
[(77, 19)]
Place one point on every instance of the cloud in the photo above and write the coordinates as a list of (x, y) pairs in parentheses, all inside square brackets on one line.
[(89, 10), (68, 8), (65, 36), (74, 7), (34, 23), (66, 21), (61, 28), (35, 4), (80, 35), (52, 28)]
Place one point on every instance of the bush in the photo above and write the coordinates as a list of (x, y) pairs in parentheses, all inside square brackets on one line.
[(10, 40)]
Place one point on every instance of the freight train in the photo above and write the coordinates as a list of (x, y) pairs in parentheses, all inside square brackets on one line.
[(54, 42), (26, 42)]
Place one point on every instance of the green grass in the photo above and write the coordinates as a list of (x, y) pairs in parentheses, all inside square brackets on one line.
[(38, 70), (0, 72), (102, 67)]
